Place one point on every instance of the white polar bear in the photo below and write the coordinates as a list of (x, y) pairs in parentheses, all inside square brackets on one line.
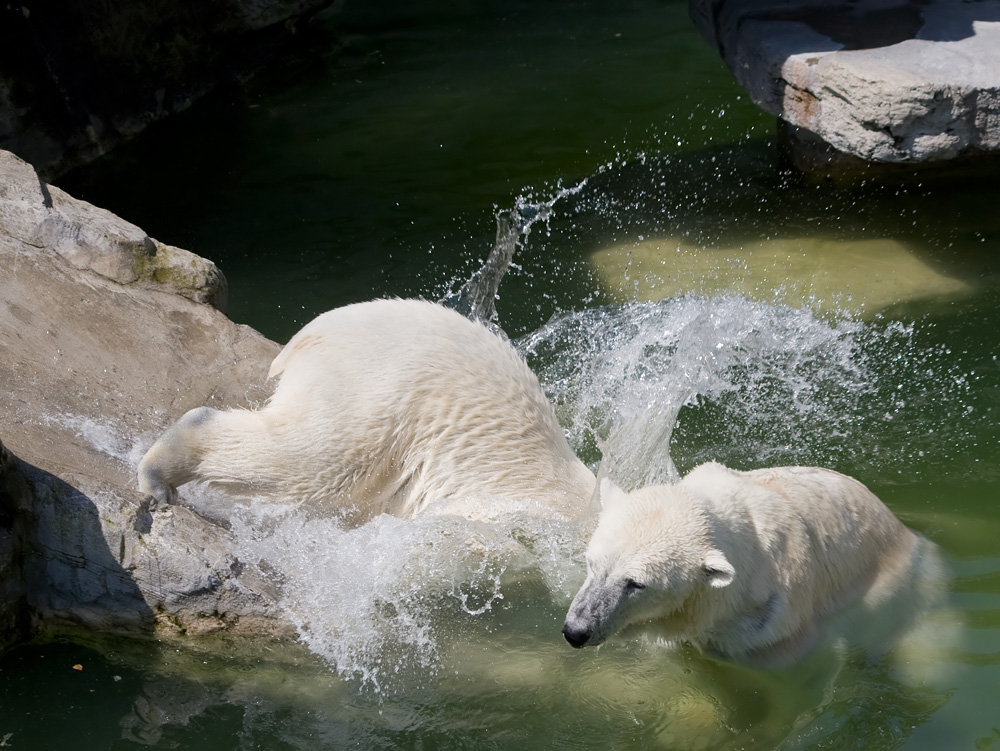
[(384, 407), (750, 566)]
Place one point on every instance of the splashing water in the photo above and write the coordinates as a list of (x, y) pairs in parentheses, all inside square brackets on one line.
[(747, 383), (476, 299), (379, 602), (755, 384), (625, 373)]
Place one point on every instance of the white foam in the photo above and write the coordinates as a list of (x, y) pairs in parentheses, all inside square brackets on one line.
[(104, 436), (375, 601)]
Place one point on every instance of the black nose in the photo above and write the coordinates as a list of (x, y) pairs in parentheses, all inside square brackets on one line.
[(576, 637)]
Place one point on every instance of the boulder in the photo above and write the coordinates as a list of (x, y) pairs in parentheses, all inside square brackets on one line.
[(858, 82), (36, 215), (108, 336), (14, 494)]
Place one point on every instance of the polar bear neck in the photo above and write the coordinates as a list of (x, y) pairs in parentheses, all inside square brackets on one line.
[(730, 529)]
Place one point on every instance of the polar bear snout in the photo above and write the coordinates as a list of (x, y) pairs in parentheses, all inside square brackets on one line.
[(575, 635), (593, 611)]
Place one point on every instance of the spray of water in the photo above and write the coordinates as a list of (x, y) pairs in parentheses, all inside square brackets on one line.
[(476, 299), (640, 387), (648, 385), (623, 374), (378, 602)]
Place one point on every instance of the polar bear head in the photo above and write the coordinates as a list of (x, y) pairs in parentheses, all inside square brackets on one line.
[(650, 562)]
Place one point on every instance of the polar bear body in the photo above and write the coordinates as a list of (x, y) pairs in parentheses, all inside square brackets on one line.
[(750, 566), (384, 407)]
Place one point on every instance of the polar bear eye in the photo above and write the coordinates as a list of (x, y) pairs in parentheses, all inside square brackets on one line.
[(632, 585)]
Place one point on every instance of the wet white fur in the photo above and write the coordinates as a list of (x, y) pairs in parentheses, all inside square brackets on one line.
[(384, 407), (750, 566)]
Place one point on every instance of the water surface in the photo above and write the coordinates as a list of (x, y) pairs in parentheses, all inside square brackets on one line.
[(690, 299)]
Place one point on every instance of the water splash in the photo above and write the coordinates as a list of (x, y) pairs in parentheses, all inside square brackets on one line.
[(476, 299), (649, 385), (380, 603), (747, 383), (103, 435), (643, 387)]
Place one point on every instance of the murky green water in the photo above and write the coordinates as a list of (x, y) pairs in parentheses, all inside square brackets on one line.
[(778, 322)]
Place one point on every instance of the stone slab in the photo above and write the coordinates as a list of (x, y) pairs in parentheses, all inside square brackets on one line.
[(885, 81), (853, 277)]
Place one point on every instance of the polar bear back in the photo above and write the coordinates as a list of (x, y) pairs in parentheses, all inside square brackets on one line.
[(835, 510), (822, 540), (393, 404)]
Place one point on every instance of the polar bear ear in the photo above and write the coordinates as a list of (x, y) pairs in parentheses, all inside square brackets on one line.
[(718, 569), (610, 493)]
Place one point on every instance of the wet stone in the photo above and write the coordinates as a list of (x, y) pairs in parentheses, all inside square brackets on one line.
[(101, 353), (879, 82)]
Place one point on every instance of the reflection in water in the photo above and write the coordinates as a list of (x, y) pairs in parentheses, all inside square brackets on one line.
[(495, 688)]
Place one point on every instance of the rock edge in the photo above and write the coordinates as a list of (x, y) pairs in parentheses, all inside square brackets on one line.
[(108, 337)]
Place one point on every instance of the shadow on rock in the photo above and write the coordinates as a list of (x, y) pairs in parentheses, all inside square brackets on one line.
[(72, 574)]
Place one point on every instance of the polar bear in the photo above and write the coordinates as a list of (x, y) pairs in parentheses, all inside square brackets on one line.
[(384, 407), (750, 566)]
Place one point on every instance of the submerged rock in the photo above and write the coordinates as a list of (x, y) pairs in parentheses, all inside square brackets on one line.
[(857, 277), (867, 81), (107, 338)]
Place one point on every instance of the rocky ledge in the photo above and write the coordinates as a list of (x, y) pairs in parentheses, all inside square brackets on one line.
[(856, 82), (108, 336)]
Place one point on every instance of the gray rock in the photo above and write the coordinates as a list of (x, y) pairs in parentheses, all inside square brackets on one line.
[(38, 216), (14, 494), (100, 355), (882, 81)]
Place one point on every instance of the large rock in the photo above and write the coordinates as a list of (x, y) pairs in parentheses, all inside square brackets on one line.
[(101, 353), (14, 494), (879, 81), (78, 77), (37, 216)]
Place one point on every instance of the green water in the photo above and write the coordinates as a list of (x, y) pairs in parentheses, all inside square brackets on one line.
[(373, 164)]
